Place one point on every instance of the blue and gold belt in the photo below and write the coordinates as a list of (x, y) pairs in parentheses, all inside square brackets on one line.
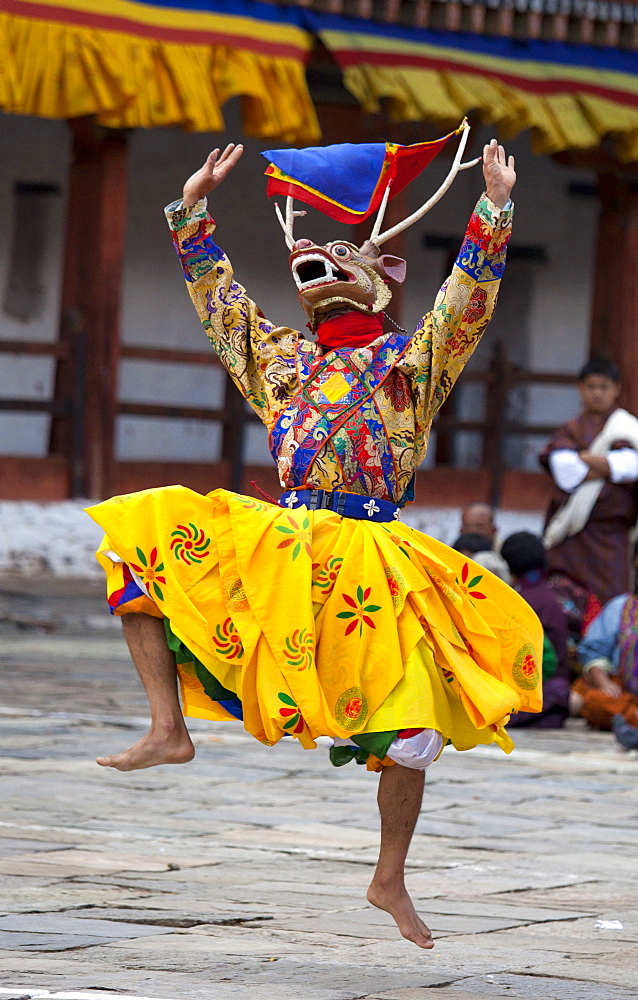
[(356, 505)]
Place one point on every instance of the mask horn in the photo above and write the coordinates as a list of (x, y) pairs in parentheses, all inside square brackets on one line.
[(454, 170), (380, 214), (288, 223)]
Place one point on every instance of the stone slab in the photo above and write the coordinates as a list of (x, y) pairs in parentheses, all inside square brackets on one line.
[(15, 845), (62, 923), (362, 923), (502, 986), (46, 942), (495, 909), (78, 861), (6, 994)]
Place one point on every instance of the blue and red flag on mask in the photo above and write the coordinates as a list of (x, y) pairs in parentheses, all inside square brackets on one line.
[(348, 181)]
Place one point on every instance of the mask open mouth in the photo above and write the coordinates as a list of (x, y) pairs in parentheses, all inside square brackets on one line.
[(314, 270)]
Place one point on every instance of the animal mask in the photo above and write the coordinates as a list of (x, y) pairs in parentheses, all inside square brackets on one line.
[(341, 273)]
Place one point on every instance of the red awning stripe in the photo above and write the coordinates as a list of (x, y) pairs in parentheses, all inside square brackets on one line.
[(210, 29)]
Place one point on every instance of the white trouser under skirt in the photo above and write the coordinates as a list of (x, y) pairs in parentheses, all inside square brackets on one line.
[(417, 751)]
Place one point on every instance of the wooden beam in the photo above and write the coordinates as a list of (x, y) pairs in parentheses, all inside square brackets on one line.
[(26, 478), (560, 27), (23, 477), (447, 487), (604, 311), (176, 412), (586, 30), (452, 16), (33, 347), (611, 36), (59, 408), (599, 159), (129, 477), (422, 10), (234, 435), (505, 21), (143, 353), (614, 317), (477, 18), (95, 241), (533, 24), (392, 11)]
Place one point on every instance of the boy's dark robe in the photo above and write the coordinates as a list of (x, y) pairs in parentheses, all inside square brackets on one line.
[(598, 556)]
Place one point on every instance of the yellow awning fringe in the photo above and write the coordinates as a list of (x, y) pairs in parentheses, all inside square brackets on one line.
[(556, 121), (66, 71), (58, 70)]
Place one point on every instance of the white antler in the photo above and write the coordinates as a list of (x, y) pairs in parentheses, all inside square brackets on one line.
[(379, 219), (288, 223), (454, 170)]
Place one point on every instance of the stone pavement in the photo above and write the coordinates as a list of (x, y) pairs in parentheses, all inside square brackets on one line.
[(242, 876)]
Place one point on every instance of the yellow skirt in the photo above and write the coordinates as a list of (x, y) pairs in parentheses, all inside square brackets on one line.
[(321, 625)]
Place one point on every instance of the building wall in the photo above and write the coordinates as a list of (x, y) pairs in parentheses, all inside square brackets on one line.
[(542, 315), (31, 152)]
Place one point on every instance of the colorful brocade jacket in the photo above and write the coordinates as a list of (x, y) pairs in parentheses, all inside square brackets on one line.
[(350, 419)]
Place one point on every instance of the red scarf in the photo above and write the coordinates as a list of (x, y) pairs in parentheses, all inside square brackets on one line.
[(352, 329)]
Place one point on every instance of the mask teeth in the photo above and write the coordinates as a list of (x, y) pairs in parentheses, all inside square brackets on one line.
[(329, 275)]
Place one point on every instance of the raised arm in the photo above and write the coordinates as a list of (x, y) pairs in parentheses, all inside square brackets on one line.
[(258, 355), (446, 337)]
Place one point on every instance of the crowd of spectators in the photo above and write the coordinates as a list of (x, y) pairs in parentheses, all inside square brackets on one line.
[(588, 653), (579, 577)]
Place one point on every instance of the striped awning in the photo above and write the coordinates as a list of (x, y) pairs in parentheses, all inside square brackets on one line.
[(133, 63), (569, 96)]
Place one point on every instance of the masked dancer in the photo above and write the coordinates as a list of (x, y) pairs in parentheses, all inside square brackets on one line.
[(323, 614)]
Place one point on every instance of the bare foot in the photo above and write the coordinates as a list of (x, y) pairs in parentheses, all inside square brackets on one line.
[(397, 903), (172, 747)]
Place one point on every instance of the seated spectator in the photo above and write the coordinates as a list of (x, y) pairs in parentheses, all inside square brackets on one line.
[(495, 563), (524, 553), (609, 654), (580, 606), (478, 519), (468, 545)]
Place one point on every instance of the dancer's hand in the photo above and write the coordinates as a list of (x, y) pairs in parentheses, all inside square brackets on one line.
[(211, 174), (499, 173)]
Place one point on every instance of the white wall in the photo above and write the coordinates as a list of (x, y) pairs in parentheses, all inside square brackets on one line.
[(31, 150), (157, 310)]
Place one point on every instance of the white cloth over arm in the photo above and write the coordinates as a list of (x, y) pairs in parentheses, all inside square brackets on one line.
[(623, 465), (567, 468)]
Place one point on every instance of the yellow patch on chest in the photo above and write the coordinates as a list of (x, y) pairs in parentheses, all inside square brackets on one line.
[(335, 387)]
